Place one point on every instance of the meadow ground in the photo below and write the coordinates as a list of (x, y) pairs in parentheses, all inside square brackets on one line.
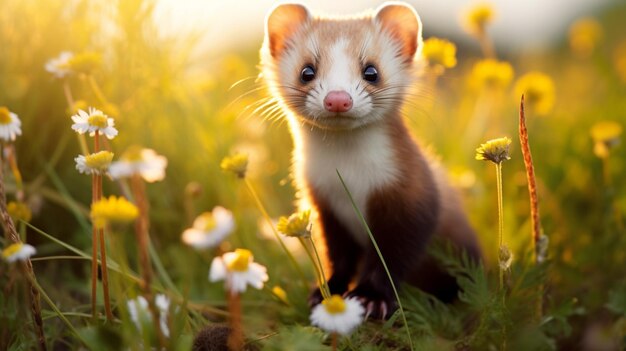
[(194, 115)]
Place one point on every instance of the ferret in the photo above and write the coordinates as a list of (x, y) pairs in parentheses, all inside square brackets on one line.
[(341, 82)]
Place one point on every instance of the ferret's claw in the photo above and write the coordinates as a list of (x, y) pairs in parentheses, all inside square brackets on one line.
[(383, 310), (369, 309)]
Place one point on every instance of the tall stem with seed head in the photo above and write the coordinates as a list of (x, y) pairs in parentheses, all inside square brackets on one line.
[(27, 265)]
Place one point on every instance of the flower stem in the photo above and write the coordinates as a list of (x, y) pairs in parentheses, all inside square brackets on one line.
[(70, 102), (500, 231), (94, 253), (269, 221), (319, 273), (235, 337), (103, 255), (321, 268), (500, 222), (486, 45), (96, 89), (142, 232), (334, 341)]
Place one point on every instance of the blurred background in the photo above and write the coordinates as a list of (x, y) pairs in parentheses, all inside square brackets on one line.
[(180, 77)]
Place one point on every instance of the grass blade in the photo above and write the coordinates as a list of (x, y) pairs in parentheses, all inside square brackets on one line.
[(380, 255)]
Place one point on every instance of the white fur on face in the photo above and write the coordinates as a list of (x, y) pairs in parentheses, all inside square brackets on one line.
[(343, 75)]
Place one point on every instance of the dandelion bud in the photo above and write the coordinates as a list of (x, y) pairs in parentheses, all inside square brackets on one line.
[(237, 164), (505, 258)]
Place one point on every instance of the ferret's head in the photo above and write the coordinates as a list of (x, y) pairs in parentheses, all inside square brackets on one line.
[(340, 73)]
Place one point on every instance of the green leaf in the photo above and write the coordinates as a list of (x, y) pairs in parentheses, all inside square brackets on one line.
[(296, 338)]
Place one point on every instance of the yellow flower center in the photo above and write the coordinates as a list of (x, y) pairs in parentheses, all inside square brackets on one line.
[(99, 160), (241, 261), (133, 154), (12, 250), (207, 221), (5, 115), (98, 120), (334, 304)]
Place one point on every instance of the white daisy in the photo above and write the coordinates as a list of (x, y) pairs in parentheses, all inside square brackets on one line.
[(145, 162), (209, 229), (96, 163), (338, 315), (60, 66), (94, 121), (10, 125), (18, 252), (140, 312), (238, 271)]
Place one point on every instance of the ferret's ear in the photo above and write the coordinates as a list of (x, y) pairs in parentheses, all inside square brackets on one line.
[(402, 22), (282, 21)]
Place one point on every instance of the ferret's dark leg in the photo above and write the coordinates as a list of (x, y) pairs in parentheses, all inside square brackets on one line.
[(343, 253), (401, 232)]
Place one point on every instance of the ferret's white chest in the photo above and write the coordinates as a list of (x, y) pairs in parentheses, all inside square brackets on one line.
[(365, 160)]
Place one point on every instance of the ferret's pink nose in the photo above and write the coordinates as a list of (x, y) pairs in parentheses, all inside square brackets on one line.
[(338, 101)]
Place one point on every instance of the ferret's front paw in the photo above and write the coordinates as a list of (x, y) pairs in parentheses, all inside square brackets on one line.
[(379, 303)]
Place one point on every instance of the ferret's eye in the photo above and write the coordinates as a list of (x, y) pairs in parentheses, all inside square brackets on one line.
[(370, 74), (307, 74)]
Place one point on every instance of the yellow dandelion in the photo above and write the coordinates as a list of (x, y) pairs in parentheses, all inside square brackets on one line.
[(19, 211), (606, 136), (478, 17), (584, 35), (237, 164), (439, 52), (113, 210), (295, 225), (538, 90), (492, 74), (495, 150), (85, 62), (96, 163)]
